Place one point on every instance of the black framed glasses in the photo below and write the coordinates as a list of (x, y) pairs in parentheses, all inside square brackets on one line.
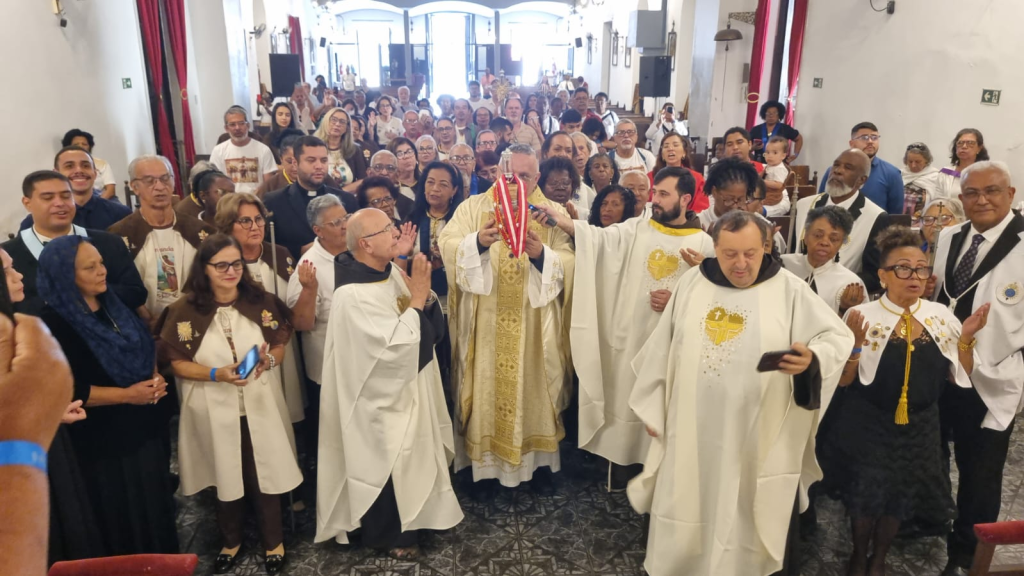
[(906, 272), (388, 228), (943, 220), (388, 168), (247, 222), (382, 201), (222, 267)]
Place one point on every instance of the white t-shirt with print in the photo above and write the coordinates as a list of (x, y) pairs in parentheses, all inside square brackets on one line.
[(641, 161), (245, 165)]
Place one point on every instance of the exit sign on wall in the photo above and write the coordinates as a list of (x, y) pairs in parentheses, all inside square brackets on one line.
[(990, 97)]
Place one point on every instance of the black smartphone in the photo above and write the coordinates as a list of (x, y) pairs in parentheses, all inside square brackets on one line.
[(670, 110), (249, 363), (770, 360)]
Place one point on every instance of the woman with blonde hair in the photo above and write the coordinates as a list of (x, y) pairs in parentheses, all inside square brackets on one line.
[(345, 161)]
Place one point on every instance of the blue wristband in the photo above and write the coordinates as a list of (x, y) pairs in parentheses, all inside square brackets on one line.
[(855, 351), (22, 453), (213, 374), (403, 257)]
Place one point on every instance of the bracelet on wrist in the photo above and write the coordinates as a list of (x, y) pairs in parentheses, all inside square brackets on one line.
[(855, 351), (966, 346), (853, 359), (213, 374), (23, 453)]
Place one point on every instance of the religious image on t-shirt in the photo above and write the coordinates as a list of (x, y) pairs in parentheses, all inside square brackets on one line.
[(166, 276), (914, 199), (243, 170)]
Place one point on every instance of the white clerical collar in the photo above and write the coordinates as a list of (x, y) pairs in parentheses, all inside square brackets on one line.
[(993, 233), (35, 241)]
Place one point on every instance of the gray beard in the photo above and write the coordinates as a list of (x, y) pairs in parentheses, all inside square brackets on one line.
[(837, 189)]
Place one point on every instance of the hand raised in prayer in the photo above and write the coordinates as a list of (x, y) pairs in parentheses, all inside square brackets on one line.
[(146, 392), (406, 238), (74, 413), (659, 299), (929, 286), (489, 235), (307, 276), (691, 256), (853, 295), (534, 247), (418, 282), (974, 323), (797, 364), (856, 323), (264, 362), (573, 212)]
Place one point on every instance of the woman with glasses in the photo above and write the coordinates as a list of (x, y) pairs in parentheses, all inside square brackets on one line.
[(558, 180), (388, 126), (968, 147), (824, 233), (884, 449), (938, 214), (446, 137), (244, 218), (408, 167), (920, 179), (345, 160), (381, 193), (234, 432), (426, 151)]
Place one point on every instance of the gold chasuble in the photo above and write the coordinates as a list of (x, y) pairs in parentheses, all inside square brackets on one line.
[(508, 321)]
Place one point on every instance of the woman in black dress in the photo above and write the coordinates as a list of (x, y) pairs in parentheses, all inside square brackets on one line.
[(885, 445), (123, 462), (774, 114)]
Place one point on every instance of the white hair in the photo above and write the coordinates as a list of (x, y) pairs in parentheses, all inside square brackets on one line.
[(381, 154), (426, 137), (867, 171), (150, 158), (524, 149), (319, 205), (951, 204), (997, 165), (624, 121)]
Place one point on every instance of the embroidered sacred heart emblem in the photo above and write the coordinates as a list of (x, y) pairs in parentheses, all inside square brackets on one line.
[(403, 302), (721, 325), (661, 265)]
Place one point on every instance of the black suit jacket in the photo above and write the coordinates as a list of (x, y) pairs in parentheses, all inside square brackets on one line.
[(288, 213), (1003, 245), (122, 276)]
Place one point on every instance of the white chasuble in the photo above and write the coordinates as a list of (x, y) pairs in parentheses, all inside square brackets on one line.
[(290, 372), (733, 449), (209, 435), (509, 326), (617, 268), (828, 280), (381, 416)]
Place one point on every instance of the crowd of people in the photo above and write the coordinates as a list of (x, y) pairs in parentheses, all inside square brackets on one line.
[(470, 287)]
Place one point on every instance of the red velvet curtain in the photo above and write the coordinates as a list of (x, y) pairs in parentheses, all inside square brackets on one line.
[(149, 23), (796, 49), (295, 41), (757, 60), (175, 11)]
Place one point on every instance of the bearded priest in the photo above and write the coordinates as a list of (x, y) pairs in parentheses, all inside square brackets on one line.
[(507, 316), (385, 435), (730, 386), (625, 274)]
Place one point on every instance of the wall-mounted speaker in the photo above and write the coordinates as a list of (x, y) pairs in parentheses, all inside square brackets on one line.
[(323, 42), (655, 76), (579, 42)]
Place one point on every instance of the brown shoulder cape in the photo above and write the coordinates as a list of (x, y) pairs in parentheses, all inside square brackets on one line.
[(285, 262), (133, 229)]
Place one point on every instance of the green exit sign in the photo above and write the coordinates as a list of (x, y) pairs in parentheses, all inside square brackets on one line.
[(990, 97), (126, 83)]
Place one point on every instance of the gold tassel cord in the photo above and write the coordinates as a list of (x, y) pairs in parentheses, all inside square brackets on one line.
[(902, 411)]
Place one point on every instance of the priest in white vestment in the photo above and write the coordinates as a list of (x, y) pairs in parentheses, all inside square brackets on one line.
[(507, 315), (732, 451), (825, 232), (625, 275), (385, 434)]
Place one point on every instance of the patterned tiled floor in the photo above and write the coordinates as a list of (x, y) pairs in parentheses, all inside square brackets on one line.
[(582, 529)]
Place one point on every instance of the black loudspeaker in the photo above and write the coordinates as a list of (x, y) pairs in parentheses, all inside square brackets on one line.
[(579, 42), (285, 71), (655, 76), (323, 42)]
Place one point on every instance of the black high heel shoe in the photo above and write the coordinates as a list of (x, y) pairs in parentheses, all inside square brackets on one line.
[(225, 563), (274, 563)]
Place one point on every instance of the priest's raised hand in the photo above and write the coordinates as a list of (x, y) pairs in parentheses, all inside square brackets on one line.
[(419, 282)]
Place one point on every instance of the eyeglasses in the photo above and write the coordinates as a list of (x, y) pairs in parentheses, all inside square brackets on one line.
[(337, 222), (966, 143), (626, 133), (559, 184), (943, 219), (405, 154), (150, 181), (461, 159), (905, 272), (384, 168), (990, 193), (247, 222), (222, 267), (868, 137), (487, 145), (732, 202), (427, 149), (237, 124), (387, 229), (445, 129), (339, 122), (382, 201)]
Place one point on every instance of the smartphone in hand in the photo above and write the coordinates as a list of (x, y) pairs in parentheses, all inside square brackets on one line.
[(250, 362), (770, 361)]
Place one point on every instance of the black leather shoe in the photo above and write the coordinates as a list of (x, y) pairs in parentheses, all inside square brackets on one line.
[(954, 570), (225, 563), (542, 483), (274, 563)]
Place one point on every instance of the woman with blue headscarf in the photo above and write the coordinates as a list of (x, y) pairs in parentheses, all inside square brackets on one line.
[(112, 355)]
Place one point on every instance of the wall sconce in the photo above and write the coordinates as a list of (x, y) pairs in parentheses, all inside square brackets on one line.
[(728, 35), (672, 44), (615, 47)]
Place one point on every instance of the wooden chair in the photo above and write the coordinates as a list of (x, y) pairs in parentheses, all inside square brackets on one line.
[(900, 220), (803, 191), (783, 223), (801, 174), (132, 565), (990, 536)]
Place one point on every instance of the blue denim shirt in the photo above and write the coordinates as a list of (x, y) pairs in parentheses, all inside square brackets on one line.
[(884, 186)]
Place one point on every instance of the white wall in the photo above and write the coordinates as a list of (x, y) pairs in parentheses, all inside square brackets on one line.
[(60, 79), (729, 88), (917, 74)]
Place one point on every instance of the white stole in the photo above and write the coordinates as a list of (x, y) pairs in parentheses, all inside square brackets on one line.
[(35, 246)]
